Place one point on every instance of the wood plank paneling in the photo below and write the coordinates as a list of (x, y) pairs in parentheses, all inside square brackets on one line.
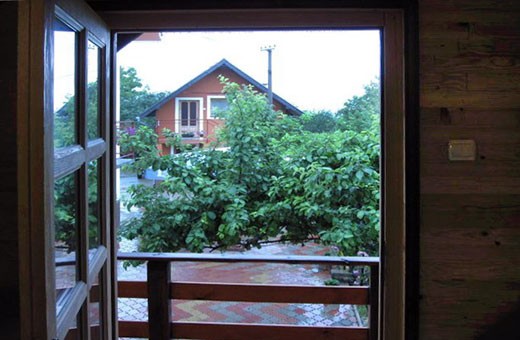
[(471, 99), (470, 185), (269, 293), (134, 329), (436, 60), (465, 232), (132, 289), (234, 331), (458, 116), (496, 80), (462, 308), (470, 211), (208, 330), (493, 81), (252, 293), (494, 5), (244, 19)]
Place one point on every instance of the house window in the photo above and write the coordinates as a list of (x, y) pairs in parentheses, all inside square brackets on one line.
[(217, 106), (189, 113)]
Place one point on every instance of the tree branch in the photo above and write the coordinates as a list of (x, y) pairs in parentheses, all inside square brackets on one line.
[(250, 243)]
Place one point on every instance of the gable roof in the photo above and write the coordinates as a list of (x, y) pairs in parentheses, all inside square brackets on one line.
[(293, 110)]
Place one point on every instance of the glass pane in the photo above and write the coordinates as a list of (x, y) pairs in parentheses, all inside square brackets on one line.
[(93, 90), (218, 106), (65, 47), (66, 236), (184, 113), (95, 309), (73, 332), (193, 113), (94, 205)]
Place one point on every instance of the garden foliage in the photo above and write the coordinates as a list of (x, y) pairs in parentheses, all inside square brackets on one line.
[(276, 182)]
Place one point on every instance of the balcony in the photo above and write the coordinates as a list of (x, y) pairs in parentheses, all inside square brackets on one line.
[(160, 289), (192, 131)]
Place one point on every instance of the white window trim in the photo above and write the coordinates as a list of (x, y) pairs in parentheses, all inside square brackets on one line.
[(177, 114), (208, 103)]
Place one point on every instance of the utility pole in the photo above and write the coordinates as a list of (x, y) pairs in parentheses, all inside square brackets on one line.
[(269, 50)]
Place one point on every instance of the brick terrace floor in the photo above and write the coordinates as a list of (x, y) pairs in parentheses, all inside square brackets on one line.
[(241, 312)]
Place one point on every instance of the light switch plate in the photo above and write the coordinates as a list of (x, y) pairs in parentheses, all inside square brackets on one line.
[(462, 150)]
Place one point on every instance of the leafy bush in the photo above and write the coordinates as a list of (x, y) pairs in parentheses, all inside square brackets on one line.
[(276, 182), (321, 121), (329, 186), (360, 112)]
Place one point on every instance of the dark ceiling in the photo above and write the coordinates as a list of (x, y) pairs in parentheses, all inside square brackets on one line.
[(118, 5)]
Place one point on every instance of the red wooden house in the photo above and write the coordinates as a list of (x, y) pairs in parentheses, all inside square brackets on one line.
[(191, 109)]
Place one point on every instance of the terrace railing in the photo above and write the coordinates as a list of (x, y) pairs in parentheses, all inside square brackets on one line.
[(159, 289)]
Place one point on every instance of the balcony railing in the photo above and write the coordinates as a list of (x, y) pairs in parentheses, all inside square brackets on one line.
[(159, 289), (190, 129)]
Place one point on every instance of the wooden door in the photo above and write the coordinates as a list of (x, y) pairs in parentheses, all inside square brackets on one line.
[(79, 224)]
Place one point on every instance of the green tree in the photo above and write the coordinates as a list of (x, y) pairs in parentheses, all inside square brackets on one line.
[(321, 121), (65, 209), (65, 118), (329, 187), (276, 183), (360, 112), (141, 143), (135, 97)]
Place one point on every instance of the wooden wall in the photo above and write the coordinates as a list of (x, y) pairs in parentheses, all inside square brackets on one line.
[(9, 292), (470, 211)]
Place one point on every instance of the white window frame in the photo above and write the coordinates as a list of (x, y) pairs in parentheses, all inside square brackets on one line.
[(208, 103), (177, 114)]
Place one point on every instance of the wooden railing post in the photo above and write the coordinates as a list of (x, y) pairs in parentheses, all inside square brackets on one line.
[(159, 303), (373, 299)]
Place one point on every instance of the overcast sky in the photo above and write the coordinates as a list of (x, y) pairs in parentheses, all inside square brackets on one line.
[(313, 70)]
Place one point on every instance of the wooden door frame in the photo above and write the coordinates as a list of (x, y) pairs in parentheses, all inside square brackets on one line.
[(34, 60), (393, 322), (35, 185)]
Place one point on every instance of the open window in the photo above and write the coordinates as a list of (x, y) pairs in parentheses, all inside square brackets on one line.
[(70, 238), (80, 223)]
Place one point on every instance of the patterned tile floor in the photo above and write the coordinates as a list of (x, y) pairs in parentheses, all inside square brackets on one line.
[(241, 312)]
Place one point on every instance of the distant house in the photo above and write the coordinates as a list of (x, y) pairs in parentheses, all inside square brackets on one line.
[(190, 110)]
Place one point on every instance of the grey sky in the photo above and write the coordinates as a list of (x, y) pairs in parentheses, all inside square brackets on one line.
[(313, 70)]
